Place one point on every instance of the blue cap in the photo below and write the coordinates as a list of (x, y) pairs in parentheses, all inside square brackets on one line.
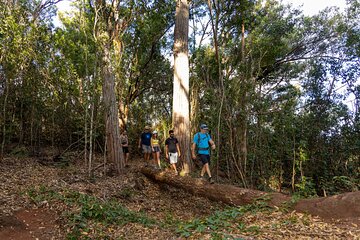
[(204, 126)]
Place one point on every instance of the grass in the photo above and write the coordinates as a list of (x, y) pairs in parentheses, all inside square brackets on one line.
[(222, 222), (88, 212), (89, 209)]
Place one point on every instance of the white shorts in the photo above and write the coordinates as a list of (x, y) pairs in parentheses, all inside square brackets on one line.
[(173, 157)]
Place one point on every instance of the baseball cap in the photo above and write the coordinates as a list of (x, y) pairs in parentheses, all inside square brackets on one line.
[(147, 128), (204, 126), (154, 132)]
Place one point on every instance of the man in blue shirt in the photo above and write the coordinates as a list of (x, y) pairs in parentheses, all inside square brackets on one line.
[(202, 143), (145, 144)]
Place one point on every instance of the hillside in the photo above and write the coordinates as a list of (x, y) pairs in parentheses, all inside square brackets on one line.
[(57, 202)]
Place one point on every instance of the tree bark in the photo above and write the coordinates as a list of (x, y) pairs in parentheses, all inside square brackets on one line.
[(112, 25), (343, 206), (181, 105), (217, 192), (4, 119), (114, 150)]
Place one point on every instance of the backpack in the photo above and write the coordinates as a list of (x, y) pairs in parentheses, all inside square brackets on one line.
[(197, 149)]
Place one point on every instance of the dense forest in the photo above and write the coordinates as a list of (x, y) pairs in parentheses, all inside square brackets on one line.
[(279, 90)]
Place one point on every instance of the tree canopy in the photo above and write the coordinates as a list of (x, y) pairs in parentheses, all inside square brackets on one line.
[(279, 90)]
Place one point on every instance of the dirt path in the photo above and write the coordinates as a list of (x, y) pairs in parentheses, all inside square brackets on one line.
[(21, 218), (29, 224)]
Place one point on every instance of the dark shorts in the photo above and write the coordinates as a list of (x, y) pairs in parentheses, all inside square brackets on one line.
[(204, 158), (125, 149), (156, 149), (146, 148)]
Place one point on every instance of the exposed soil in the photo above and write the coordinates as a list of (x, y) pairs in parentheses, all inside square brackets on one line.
[(23, 218), (29, 224), (340, 208)]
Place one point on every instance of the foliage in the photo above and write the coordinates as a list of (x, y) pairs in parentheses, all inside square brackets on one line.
[(306, 188), (283, 75), (340, 184), (89, 209), (221, 222), (280, 91)]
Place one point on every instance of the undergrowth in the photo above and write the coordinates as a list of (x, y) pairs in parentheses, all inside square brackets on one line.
[(86, 209), (89, 209), (220, 223)]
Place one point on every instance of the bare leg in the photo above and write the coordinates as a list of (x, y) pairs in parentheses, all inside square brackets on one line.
[(207, 168), (203, 171), (147, 157), (173, 166), (158, 159), (126, 158)]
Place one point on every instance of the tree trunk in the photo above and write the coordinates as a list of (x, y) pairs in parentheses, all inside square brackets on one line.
[(114, 150), (194, 107), (124, 114), (181, 106), (4, 119), (340, 206), (217, 192), (112, 25), (294, 165), (243, 118), (92, 111)]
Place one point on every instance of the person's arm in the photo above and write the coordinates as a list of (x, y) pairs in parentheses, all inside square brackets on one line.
[(126, 142), (166, 151), (193, 151), (152, 144)]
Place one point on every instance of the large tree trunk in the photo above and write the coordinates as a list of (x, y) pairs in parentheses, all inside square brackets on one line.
[(181, 121), (114, 150), (111, 25), (339, 206)]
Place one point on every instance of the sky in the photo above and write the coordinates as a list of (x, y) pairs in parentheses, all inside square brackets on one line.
[(310, 7)]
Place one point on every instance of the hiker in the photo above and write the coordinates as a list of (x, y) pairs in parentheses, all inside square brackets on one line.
[(201, 146), (145, 144), (172, 150), (124, 140), (155, 147)]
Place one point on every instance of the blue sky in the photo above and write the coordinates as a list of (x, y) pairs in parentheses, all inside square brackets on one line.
[(311, 7)]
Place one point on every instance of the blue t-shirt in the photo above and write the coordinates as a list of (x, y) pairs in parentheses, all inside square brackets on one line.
[(202, 143), (146, 138)]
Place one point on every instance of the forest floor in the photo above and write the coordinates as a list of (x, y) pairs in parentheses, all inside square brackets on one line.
[(50, 201)]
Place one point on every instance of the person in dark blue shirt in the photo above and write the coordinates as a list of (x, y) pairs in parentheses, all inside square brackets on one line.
[(145, 144), (201, 145)]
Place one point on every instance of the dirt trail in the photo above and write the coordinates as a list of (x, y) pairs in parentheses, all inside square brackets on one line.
[(28, 225), (21, 218)]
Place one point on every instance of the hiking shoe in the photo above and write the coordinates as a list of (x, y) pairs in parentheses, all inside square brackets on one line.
[(211, 180)]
